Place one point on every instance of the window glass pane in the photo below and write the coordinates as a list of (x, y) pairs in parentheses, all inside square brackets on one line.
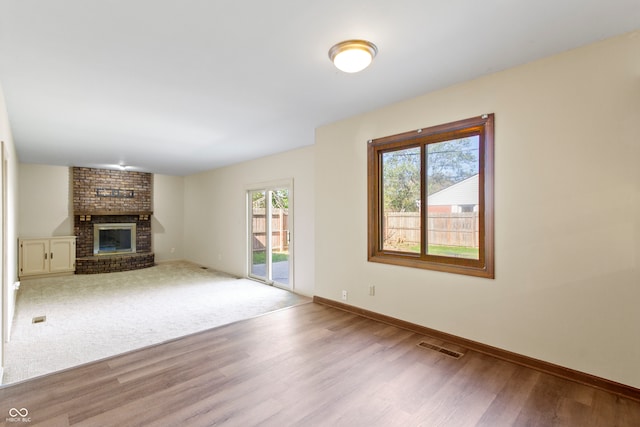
[(280, 236), (258, 233), (453, 198), (400, 225)]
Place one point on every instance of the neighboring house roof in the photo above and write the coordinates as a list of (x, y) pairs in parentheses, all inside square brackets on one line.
[(462, 193)]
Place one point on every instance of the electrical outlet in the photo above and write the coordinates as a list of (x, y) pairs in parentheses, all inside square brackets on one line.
[(173, 250), (372, 290), (344, 295)]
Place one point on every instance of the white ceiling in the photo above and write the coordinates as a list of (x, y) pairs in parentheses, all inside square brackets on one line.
[(182, 86)]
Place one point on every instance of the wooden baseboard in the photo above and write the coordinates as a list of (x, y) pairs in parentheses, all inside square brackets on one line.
[(539, 365)]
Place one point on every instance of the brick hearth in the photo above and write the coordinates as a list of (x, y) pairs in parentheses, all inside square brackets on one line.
[(113, 263)]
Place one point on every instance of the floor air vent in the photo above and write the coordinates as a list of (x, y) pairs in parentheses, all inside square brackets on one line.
[(450, 353), (39, 319)]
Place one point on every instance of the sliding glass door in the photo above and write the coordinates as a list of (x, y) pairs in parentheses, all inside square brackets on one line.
[(270, 255)]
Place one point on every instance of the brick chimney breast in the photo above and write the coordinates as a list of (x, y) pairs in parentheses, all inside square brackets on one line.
[(111, 196)]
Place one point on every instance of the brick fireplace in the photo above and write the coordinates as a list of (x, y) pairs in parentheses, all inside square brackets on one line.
[(103, 196)]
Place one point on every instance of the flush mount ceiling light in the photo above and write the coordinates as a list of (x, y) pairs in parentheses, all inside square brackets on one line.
[(352, 56)]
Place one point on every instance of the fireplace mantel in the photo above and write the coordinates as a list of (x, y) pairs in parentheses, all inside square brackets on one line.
[(107, 212)]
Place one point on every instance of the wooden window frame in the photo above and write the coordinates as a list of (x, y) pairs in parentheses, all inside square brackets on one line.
[(483, 126)]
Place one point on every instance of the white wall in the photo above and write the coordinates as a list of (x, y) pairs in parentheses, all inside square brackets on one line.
[(45, 207), (567, 213), (8, 294), (215, 213), (167, 222)]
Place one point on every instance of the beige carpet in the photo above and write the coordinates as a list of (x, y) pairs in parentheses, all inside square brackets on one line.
[(90, 317)]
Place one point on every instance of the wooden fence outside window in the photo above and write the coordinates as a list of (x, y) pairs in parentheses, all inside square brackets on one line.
[(279, 229), (446, 229)]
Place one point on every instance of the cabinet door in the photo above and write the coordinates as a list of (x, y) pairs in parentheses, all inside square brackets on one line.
[(35, 257), (62, 255)]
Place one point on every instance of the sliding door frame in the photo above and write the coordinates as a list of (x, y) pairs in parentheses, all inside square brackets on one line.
[(268, 187)]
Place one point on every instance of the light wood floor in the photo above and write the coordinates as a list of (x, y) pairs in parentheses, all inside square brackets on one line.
[(309, 365)]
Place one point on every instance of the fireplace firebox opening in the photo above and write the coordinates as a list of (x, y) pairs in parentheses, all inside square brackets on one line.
[(116, 238)]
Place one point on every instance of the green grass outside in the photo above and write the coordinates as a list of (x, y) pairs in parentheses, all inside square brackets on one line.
[(452, 251), (260, 257)]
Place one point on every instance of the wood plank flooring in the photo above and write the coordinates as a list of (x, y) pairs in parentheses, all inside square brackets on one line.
[(309, 365)]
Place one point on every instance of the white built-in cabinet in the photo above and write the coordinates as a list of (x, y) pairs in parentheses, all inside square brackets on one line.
[(51, 255)]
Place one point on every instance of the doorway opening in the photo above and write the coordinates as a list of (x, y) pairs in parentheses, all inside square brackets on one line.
[(269, 239)]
